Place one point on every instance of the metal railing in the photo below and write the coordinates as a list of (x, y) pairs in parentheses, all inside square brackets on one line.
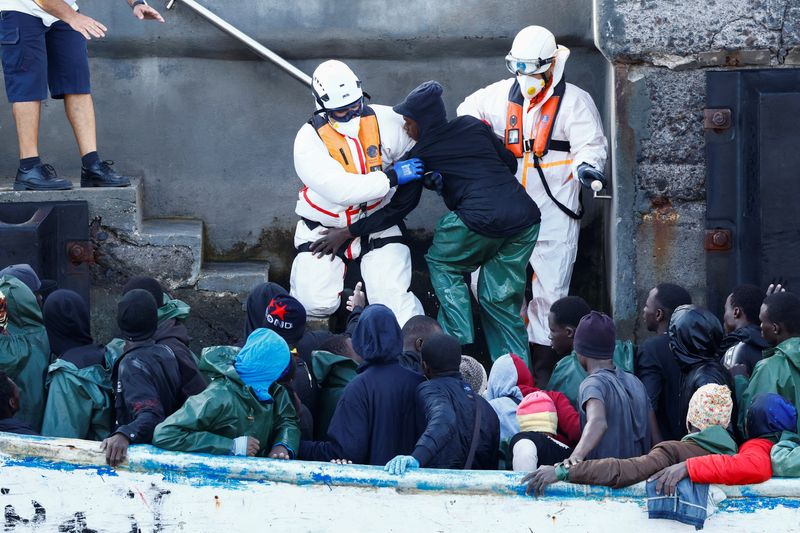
[(261, 50)]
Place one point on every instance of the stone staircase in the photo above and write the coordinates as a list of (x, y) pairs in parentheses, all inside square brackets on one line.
[(169, 248)]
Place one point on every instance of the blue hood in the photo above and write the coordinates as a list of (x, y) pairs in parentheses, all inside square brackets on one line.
[(377, 336)]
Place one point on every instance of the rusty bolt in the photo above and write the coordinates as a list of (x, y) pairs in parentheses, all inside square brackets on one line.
[(76, 253), (720, 238), (718, 119)]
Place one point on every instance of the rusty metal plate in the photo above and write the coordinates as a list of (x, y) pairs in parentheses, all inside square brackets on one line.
[(718, 240), (717, 119)]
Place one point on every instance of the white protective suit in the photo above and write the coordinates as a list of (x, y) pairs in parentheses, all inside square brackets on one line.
[(578, 122), (335, 198)]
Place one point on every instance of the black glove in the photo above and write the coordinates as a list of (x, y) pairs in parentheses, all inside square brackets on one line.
[(588, 174), (433, 181)]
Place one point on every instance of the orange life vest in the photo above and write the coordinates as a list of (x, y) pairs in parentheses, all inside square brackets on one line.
[(368, 135), (542, 142)]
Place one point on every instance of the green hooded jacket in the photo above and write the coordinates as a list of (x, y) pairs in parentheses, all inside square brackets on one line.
[(78, 402), (208, 422), (24, 349), (171, 308), (333, 373), (714, 440), (786, 456), (568, 372), (778, 372)]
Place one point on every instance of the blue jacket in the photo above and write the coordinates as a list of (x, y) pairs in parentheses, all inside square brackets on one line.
[(375, 419), (449, 405)]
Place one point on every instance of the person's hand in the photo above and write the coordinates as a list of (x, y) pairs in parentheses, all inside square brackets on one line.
[(433, 181), (143, 12), (772, 289), (739, 370), (409, 170), (330, 242), (245, 446), (668, 479), (539, 479), (341, 461), (279, 452), (400, 464), (358, 298), (587, 175), (86, 26), (116, 448), (572, 460)]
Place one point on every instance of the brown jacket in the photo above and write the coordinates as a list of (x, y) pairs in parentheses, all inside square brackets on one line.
[(619, 473)]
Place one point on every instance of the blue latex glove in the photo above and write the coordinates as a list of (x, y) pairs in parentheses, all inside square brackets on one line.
[(409, 170), (400, 464), (434, 181), (588, 174)]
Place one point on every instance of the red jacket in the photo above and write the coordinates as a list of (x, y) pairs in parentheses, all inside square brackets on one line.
[(569, 422), (751, 465)]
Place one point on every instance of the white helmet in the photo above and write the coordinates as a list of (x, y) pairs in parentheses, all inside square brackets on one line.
[(335, 86), (532, 52)]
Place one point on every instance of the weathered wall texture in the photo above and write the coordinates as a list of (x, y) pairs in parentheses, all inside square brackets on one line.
[(661, 50)]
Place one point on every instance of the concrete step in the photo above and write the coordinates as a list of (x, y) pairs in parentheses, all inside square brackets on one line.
[(118, 207), (235, 278), (180, 238)]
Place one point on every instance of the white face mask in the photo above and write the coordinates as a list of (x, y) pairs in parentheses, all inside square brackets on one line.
[(349, 128), (530, 86)]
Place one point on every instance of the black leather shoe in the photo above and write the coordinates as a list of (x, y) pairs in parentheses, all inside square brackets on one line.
[(102, 175), (42, 177)]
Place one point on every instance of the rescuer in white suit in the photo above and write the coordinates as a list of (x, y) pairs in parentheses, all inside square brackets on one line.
[(554, 129), (348, 157)]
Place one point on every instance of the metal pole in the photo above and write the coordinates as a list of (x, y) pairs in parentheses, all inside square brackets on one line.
[(245, 39)]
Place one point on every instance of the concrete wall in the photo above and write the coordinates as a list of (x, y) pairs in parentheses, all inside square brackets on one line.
[(210, 127), (660, 50)]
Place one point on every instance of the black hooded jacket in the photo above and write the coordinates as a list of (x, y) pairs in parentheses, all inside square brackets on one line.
[(375, 419), (694, 338), (66, 318), (449, 405), (744, 346)]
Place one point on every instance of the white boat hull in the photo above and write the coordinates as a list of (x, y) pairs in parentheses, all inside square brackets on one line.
[(61, 485)]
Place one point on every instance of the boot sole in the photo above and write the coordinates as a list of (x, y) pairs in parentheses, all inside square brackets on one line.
[(23, 187), (90, 184)]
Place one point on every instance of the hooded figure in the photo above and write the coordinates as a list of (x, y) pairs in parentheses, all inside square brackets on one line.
[(170, 331), (694, 338), (508, 379), (79, 385), (243, 400), (25, 349), (375, 420)]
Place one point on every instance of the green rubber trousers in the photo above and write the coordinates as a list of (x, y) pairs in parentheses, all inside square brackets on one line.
[(457, 251)]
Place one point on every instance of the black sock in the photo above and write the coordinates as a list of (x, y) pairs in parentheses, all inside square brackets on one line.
[(90, 159), (29, 162)]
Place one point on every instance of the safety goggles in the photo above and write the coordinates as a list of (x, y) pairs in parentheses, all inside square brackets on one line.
[(526, 66), (346, 113)]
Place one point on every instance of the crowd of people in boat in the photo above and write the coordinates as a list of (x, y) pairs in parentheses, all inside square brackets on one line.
[(709, 400)]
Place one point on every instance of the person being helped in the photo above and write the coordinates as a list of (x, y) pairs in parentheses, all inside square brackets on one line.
[(146, 377), (79, 404), (555, 132), (779, 371), (462, 430), (44, 47), (537, 442), (24, 348), (768, 418), (694, 338), (709, 415), (349, 158), (375, 419), (656, 366), (10, 405), (244, 411), (743, 345), (563, 319), (416, 333)]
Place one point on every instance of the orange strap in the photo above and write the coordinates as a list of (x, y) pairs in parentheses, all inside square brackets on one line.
[(368, 136)]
